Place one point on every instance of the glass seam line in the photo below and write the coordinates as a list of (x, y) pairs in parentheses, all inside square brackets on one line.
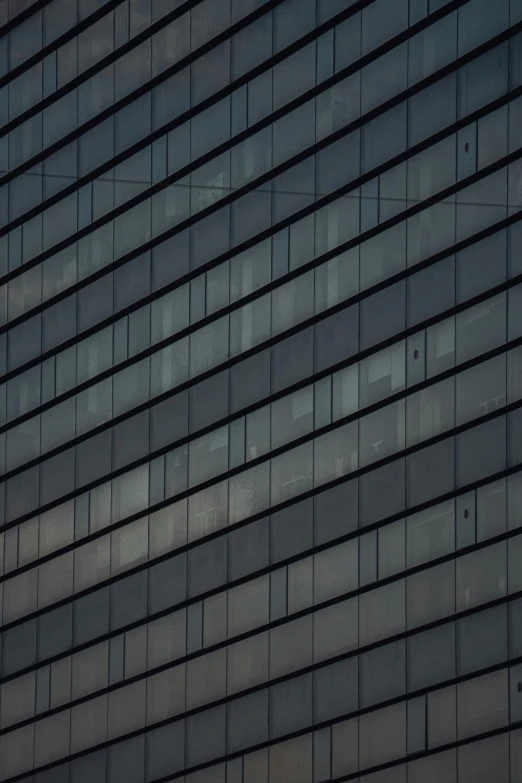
[(229, 89)]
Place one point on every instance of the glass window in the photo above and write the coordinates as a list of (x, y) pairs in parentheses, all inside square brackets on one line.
[(206, 678), (482, 639), (91, 563), (382, 735), (91, 616), (481, 389), (475, 272), (390, 305), (294, 75), (481, 328), (482, 703), (291, 761), (247, 721), (430, 411), (126, 760), (247, 663), (481, 576), (208, 456), (338, 163), (129, 546), (207, 566), (430, 594), (335, 453), (129, 599), (55, 579), (335, 630), (384, 77), (90, 670), (335, 512), (382, 492), (292, 20), (248, 605), (248, 549), (491, 509), (293, 132), (381, 433), (431, 291), (212, 725), (335, 571), (291, 705), (391, 128), (441, 96), (18, 700), (291, 473), (292, 302), (382, 612), (336, 338), (430, 472), (166, 694), (431, 656), (165, 750), (481, 451), (290, 646), (249, 492), (430, 533), (382, 374), (291, 530)]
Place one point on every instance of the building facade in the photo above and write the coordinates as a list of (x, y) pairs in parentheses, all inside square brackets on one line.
[(260, 404)]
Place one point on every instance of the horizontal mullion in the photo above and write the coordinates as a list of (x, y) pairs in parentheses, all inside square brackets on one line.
[(272, 508), (166, 74), (37, 5), (219, 95), (255, 184), (65, 37), (323, 724), (287, 391), (375, 526), (451, 190), (512, 726), (361, 413), (232, 361), (374, 586), (116, 54), (507, 285)]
